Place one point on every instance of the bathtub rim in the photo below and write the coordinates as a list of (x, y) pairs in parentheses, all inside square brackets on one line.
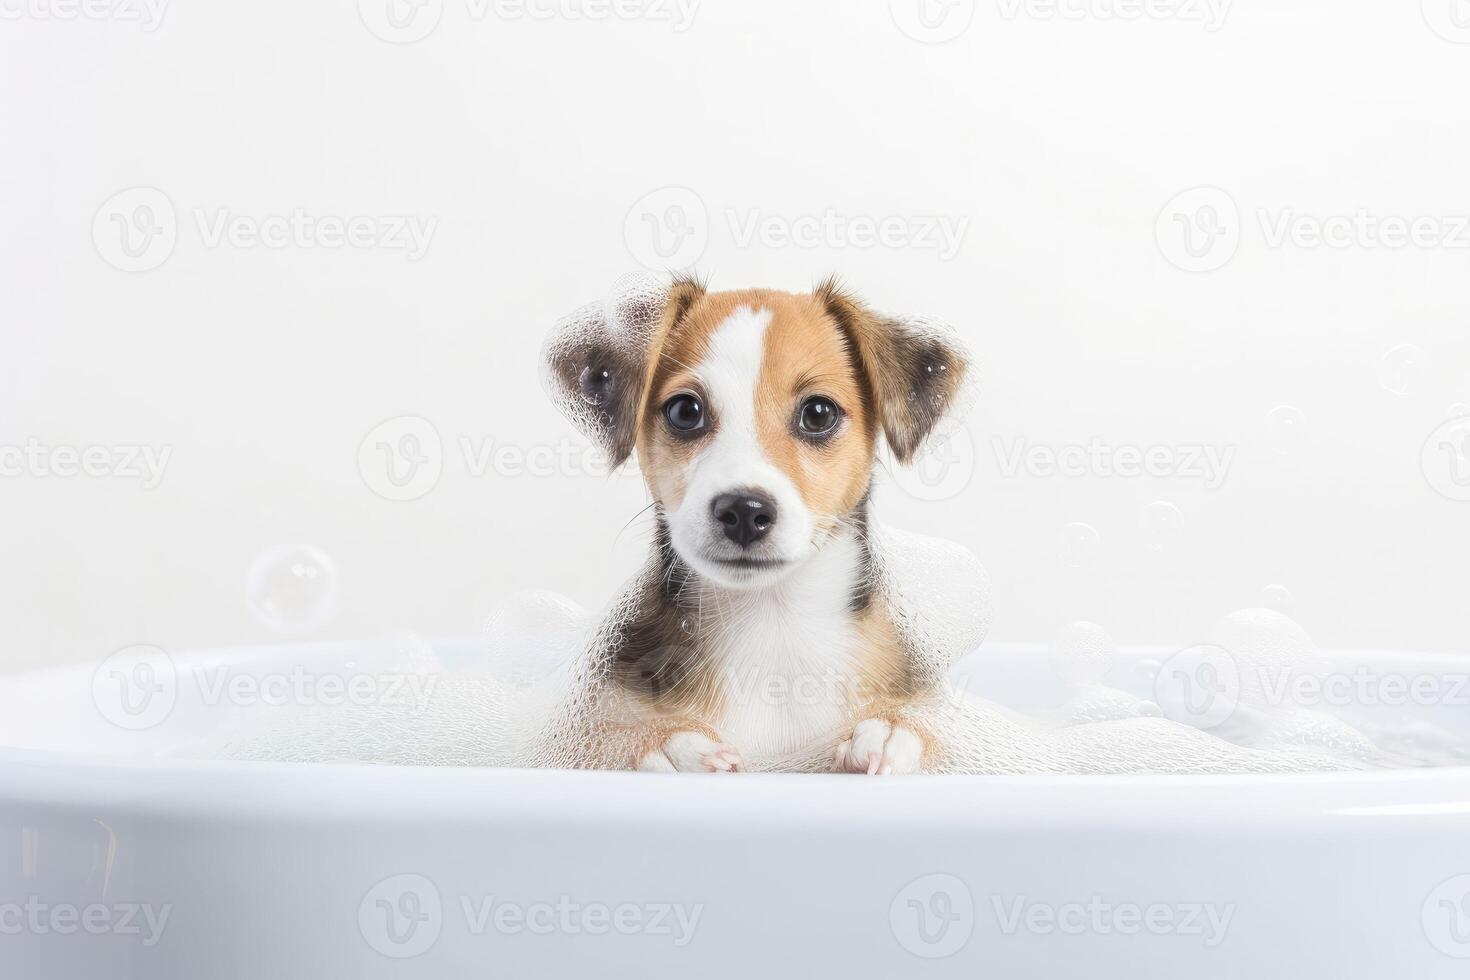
[(316, 793)]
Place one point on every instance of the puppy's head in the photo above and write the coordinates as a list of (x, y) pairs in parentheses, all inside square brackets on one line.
[(755, 414)]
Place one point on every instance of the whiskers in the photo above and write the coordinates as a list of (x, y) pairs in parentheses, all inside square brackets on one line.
[(644, 513)]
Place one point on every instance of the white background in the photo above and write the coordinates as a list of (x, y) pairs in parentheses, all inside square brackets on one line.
[(1062, 143)]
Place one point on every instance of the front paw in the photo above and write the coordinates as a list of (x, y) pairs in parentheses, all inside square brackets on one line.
[(691, 751), (879, 748)]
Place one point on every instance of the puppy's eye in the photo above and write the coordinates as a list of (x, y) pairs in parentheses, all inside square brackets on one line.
[(818, 416), (684, 413)]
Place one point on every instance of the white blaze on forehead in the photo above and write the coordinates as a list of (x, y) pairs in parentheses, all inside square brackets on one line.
[(734, 458), (731, 370)]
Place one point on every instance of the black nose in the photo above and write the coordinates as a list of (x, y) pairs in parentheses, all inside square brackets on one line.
[(745, 517)]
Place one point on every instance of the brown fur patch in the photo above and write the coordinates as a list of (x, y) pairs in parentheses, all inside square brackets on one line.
[(884, 667)]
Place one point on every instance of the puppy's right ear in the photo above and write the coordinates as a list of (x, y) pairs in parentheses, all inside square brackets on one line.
[(597, 360)]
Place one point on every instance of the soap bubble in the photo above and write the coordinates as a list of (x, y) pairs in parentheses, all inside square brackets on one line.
[(1080, 545), (1285, 425), (1081, 653), (1400, 370), (1163, 525), (1278, 598), (292, 588), (529, 634), (1271, 649)]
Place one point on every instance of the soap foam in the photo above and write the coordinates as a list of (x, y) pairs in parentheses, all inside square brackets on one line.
[(527, 698)]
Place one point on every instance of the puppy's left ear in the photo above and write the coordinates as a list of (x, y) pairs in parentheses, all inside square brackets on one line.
[(916, 367), (596, 358)]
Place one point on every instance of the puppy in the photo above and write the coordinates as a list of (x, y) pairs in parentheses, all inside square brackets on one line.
[(760, 634)]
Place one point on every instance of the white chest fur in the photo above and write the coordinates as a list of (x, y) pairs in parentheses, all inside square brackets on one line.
[(787, 655)]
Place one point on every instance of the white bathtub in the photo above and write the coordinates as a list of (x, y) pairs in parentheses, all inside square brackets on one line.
[(283, 871)]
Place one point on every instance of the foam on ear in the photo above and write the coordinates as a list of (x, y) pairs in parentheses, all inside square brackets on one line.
[(596, 361)]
